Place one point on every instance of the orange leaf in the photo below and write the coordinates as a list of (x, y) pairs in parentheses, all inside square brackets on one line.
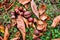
[(21, 26), (6, 34), (42, 9), (24, 1), (34, 8)]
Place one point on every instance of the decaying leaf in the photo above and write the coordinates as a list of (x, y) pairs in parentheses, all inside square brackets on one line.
[(6, 34), (34, 8), (21, 26), (26, 21), (2, 28), (24, 1), (41, 25), (42, 9)]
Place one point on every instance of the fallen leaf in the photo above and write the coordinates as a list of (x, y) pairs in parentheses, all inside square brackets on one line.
[(13, 22), (24, 1), (56, 21), (2, 28), (26, 21), (6, 34), (1, 38), (41, 25), (26, 6), (17, 36), (43, 17), (8, 5), (34, 8), (57, 39), (21, 26), (42, 9), (35, 20)]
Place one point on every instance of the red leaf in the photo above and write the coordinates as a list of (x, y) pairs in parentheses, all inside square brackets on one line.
[(34, 8), (21, 26)]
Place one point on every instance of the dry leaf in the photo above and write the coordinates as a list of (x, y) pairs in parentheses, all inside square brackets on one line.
[(34, 8), (43, 17), (41, 25), (1, 38), (35, 20), (8, 5), (21, 26), (26, 21), (13, 22), (33, 25), (56, 21), (2, 28), (42, 9), (17, 36), (6, 34), (57, 39), (24, 1), (26, 6)]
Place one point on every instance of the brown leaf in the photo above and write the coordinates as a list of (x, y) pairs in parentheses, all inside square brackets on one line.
[(6, 34), (43, 17), (42, 9), (13, 22), (7, 4), (24, 1), (34, 8), (26, 21), (21, 26), (56, 21), (41, 25), (17, 36), (26, 6), (57, 39), (1, 38), (2, 28)]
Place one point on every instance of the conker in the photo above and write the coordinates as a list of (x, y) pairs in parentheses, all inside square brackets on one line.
[(27, 14), (30, 19), (36, 32)]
